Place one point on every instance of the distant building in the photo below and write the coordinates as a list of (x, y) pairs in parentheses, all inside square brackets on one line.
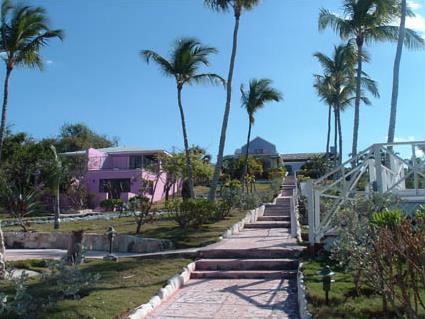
[(119, 172), (267, 153)]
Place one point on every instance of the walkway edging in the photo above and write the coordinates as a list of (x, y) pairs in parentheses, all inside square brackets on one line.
[(250, 217), (173, 284), (302, 300)]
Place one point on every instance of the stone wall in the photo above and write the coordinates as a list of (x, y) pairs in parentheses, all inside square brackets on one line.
[(122, 243)]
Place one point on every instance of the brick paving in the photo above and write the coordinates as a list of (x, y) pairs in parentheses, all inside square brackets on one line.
[(229, 299)]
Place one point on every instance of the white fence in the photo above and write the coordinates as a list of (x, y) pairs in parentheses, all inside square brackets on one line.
[(397, 168)]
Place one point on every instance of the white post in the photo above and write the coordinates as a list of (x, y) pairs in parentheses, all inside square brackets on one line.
[(378, 168), (311, 212)]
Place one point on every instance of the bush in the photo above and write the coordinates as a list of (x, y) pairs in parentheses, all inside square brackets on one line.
[(192, 213), (111, 204), (249, 201)]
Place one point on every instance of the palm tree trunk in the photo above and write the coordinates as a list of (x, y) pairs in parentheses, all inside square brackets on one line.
[(396, 73), (335, 135), (339, 135), (2, 255), (218, 165), (4, 109), (186, 143), (58, 208), (245, 166), (328, 139), (358, 97)]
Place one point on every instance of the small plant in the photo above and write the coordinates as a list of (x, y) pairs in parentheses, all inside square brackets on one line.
[(70, 280), (19, 204), (192, 213), (112, 204)]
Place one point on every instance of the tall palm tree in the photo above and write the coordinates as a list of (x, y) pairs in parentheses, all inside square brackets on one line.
[(2, 256), (237, 6), (187, 56), (259, 93), (24, 30), (56, 176), (337, 85), (404, 12), (365, 21)]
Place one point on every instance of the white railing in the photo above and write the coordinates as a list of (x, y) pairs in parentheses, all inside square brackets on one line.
[(397, 168)]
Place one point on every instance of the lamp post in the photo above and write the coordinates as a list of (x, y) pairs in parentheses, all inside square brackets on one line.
[(327, 274), (111, 234)]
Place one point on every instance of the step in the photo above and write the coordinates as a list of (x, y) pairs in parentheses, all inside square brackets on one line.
[(268, 225), (253, 253), (246, 264), (279, 218), (277, 206), (244, 274), (276, 213)]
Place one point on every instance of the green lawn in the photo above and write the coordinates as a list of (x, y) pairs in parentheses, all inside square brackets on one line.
[(343, 304), (122, 287), (162, 229)]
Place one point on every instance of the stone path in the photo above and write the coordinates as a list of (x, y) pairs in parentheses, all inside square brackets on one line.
[(250, 275)]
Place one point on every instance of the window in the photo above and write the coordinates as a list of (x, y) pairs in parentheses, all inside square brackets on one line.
[(136, 161), (258, 151), (114, 187)]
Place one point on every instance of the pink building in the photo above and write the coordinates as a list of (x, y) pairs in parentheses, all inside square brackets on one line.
[(120, 172)]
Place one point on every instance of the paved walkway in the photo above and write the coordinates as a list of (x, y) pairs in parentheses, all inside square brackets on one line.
[(250, 275), (230, 299)]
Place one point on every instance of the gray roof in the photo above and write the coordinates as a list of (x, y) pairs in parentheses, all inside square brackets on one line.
[(118, 150), (299, 156)]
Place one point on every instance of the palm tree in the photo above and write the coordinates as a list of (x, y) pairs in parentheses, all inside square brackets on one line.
[(187, 56), (337, 85), (396, 70), (365, 21), (237, 6), (24, 30), (259, 93)]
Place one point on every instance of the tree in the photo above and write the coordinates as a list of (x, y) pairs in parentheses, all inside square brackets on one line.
[(365, 21), (237, 6), (78, 136), (259, 93), (2, 255), (396, 71), (187, 56), (337, 86), (24, 31)]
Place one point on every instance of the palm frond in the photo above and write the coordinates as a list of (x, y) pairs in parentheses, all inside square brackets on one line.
[(202, 78), (164, 65)]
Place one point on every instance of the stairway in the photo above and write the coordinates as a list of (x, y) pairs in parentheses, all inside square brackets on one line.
[(263, 250)]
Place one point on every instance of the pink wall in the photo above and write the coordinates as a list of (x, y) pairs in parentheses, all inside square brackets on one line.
[(118, 169)]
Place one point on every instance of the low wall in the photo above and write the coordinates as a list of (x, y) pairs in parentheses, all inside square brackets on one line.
[(122, 243), (250, 217), (302, 300)]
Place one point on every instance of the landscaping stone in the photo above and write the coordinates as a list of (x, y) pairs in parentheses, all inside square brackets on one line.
[(122, 243)]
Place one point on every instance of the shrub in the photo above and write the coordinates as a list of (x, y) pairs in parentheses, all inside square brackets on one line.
[(249, 200), (192, 213), (141, 207), (111, 204)]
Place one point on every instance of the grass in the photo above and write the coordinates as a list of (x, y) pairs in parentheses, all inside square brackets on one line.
[(162, 229), (343, 304), (122, 287)]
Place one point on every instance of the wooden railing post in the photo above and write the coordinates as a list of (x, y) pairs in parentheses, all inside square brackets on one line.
[(312, 214)]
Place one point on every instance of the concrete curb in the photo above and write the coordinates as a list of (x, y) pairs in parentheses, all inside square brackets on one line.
[(250, 217), (173, 284), (301, 291)]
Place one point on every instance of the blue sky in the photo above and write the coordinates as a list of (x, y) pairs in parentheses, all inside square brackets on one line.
[(96, 76)]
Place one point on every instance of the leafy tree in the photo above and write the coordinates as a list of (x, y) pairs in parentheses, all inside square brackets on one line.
[(237, 6), (234, 167), (259, 93), (365, 21), (187, 56), (24, 31), (337, 86), (78, 136)]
